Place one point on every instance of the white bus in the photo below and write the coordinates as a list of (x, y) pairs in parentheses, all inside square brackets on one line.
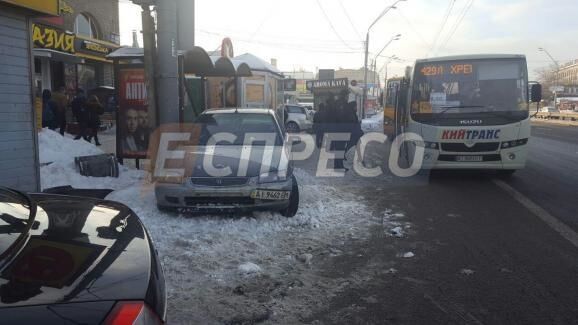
[(471, 111)]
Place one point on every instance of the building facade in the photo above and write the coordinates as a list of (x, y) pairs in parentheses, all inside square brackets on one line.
[(358, 76), (18, 142), (301, 94), (70, 50), (568, 74)]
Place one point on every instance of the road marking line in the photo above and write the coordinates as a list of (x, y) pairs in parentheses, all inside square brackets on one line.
[(544, 215)]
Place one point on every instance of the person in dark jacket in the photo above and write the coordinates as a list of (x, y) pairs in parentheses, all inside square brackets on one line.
[(319, 120), (353, 125), (93, 112), (80, 111), (48, 110), (61, 102)]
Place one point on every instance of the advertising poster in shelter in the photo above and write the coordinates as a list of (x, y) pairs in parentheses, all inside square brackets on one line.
[(134, 129)]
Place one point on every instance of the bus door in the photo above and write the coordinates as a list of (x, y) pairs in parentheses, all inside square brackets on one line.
[(401, 107)]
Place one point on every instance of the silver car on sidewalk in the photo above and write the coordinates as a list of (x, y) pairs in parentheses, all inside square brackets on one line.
[(239, 163)]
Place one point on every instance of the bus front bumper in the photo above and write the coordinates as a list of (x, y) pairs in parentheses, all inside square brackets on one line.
[(512, 158)]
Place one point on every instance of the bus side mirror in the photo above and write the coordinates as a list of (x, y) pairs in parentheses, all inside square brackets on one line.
[(536, 93)]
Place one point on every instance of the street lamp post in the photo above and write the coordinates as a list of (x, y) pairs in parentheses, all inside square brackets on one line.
[(394, 38), (541, 49), (389, 60), (364, 98)]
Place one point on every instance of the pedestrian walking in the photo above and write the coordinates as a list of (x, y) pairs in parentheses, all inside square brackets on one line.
[(94, 110), (48, 110), (340, 125), (318, 123), (79, 110), (61, 102)]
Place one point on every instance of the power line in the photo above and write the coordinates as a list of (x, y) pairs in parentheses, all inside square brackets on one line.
[(408, 22), (297, 47), (443, 24), (457, 24), (349, 19), (265, 18), (331, 25)]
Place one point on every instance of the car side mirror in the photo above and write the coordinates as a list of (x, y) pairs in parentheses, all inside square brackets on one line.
[(536, 93)]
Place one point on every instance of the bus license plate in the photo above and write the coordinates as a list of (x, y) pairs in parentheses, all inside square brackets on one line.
[(469, 158), (270, 195)]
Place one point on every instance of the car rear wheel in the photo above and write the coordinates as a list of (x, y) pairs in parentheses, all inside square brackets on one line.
[(292, 127), (291, 210)]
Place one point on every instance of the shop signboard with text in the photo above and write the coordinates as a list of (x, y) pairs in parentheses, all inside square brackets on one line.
[(133, 128), (51, 38), (49, 7)]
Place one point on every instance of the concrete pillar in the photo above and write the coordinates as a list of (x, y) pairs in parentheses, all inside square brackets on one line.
[(167, 73)]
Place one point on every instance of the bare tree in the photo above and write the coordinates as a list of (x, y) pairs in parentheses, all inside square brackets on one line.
[(547, 77)]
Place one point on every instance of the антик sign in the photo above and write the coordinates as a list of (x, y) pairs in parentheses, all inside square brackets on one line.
[(50, 7)]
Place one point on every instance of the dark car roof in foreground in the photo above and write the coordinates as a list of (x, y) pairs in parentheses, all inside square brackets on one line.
[(78, 250)]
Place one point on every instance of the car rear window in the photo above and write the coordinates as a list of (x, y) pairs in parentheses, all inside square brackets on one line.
[(295, 109), (239, 124)]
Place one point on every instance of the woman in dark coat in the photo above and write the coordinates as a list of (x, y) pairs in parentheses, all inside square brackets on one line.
[(94, 110), (48, 110)]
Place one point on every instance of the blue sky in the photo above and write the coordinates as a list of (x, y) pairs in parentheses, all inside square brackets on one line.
[(298, 35)]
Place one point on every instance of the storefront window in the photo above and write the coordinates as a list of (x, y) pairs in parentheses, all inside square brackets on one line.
[(85, 26), (87, 77)]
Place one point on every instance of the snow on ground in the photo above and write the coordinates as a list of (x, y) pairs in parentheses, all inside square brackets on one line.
[(206, 259), (221, 269), (57, 153), (373, 123)]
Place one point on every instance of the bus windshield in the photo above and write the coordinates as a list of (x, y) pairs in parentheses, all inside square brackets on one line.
[(466, 89)]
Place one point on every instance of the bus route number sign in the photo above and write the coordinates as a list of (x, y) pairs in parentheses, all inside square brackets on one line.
[(454, 69)]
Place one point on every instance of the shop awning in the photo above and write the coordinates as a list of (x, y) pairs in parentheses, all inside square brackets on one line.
[(57, 56), (196, 61), (225, 67), (127, 53)]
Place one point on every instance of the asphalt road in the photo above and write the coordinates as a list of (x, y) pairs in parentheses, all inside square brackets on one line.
[(479, 255), (550, 178)]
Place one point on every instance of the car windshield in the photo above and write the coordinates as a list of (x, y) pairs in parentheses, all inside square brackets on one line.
[(15, 217), (244, 127)]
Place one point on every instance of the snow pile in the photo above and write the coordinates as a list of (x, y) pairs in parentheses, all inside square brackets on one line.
[(408, 255), (205, 257), (57, 153), (249, 268), (373, 123), (393, 225), (56, 148)]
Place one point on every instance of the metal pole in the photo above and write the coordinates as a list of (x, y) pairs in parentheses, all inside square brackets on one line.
[(555, 76), (148, 30), (186, 23), (168, 79), (364, 97), (367, 53)]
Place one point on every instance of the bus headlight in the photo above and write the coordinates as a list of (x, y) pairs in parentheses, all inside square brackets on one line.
[(514, 143), (428, 145)]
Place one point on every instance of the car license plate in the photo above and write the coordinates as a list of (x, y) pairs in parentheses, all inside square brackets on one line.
[(469, 158), (270, 195)]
